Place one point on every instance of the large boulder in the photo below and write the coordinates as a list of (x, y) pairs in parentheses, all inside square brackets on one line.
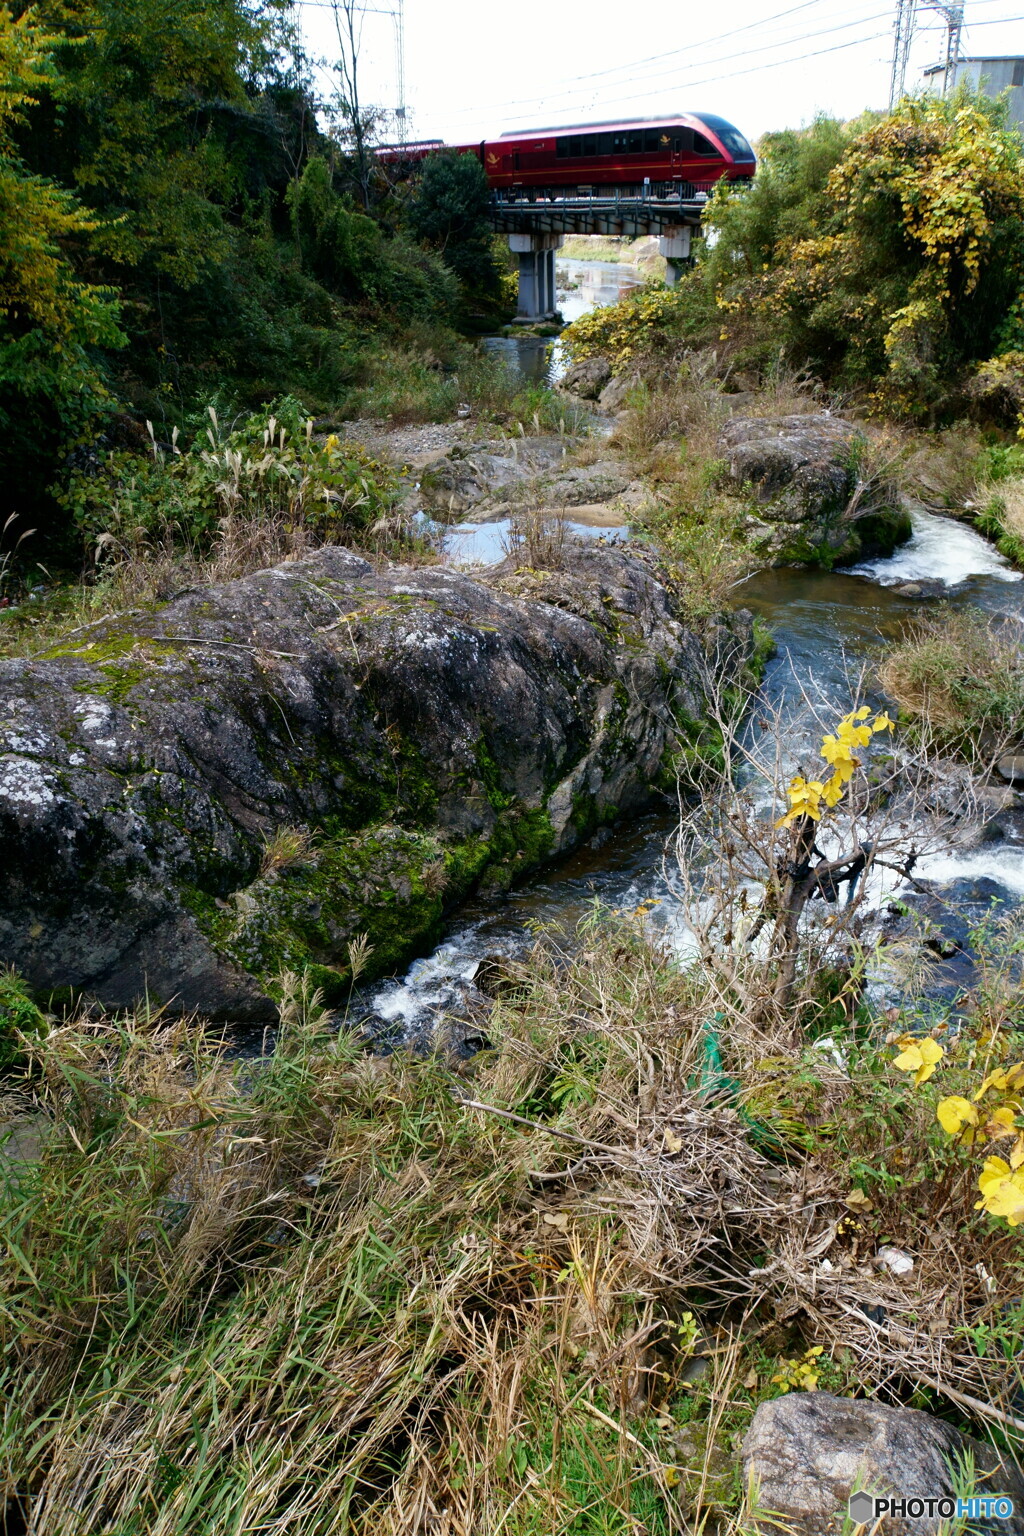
[(809, 1451), (587, 378), (254, 775), (489, 480), (472, 476), (812, 497)]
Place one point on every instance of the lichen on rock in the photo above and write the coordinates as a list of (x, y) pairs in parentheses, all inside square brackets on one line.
[(423, 731)]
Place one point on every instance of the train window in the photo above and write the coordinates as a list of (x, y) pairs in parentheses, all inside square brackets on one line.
[(703, 146), (1018, 73), (563, 148), (731, 137), (588, 144), (604, 143), (652, 140), (636, 143), (619, 144)]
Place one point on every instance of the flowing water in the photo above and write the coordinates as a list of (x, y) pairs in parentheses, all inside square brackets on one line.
[(828, 626)]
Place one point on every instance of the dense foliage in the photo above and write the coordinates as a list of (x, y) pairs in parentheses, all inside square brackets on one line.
[(885, 254), (449, 209), (176, 227)]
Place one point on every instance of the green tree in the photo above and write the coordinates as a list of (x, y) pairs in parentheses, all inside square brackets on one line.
[(450, 211), (51, 321), (150, 100)]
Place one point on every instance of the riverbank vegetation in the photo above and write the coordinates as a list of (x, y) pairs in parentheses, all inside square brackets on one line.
[(541, 1291), (881, 255), (960, 674), (185, 224)]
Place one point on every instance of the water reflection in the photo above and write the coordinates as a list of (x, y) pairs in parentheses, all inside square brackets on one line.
[(582, 286), (487, 543)]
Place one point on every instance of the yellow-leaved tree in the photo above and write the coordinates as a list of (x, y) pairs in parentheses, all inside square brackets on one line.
[(49, 318)]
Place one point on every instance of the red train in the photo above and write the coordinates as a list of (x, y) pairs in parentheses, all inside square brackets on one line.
[(692, 148)]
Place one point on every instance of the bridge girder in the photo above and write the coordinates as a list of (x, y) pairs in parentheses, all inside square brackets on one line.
[(607, 217), (629, 211)]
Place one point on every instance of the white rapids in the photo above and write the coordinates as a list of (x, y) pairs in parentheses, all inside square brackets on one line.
[(940, 549)]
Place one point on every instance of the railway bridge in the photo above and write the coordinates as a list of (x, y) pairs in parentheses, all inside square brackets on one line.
[(536, 221)]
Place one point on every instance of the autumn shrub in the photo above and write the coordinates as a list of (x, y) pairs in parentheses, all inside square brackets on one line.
[(959, 676), (645, 328), (269, 467), (907, 268)]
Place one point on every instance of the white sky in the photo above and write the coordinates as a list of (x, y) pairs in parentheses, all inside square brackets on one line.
[(474, 69)]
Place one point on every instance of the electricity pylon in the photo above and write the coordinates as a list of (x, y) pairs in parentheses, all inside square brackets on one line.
[(400, 113), (903, 28), (904, 35)]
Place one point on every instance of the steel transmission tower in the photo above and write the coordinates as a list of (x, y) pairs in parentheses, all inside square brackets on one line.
[(954, 19), (400, 68), (903, 29)]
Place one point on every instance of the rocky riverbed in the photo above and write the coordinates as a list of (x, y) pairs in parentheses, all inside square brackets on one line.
[(258, 775)]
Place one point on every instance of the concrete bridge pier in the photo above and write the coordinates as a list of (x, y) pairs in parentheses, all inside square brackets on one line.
[(674, 245), (536, 254)]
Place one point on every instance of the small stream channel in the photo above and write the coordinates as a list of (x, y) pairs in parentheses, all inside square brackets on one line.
[(827, 626)]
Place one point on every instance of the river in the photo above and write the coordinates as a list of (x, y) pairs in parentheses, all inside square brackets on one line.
[(581, 286), (827, 627)]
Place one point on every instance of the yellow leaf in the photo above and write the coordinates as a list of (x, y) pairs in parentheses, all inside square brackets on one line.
[(954, 1113), (1001, 1122), (673, 1143), (920, 1057), (1002, 1191)]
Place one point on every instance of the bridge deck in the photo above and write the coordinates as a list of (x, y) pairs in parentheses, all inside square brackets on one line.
[(605, 211)]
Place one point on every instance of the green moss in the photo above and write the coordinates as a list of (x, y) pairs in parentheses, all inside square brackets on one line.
[(106, 648), (333, 984), (764, 649), (875, 535)]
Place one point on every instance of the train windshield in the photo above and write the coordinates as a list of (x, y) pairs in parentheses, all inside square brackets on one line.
[(731, 137)]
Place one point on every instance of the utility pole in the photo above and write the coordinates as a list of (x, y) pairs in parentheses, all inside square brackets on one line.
[(903, 29)]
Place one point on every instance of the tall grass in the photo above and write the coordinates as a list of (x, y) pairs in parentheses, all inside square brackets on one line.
[(405, 386), (319, 1294), (960, 675), (329, 1293)]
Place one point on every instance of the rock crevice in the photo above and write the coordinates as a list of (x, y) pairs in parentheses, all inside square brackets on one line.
[(254, 775)]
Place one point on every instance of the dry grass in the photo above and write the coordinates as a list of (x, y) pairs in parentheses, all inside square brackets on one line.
[(960, 675), (331, 1293), (537, 542), (1011, 496), (141, 571)]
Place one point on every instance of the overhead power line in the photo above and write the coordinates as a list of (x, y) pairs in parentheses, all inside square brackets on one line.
[(548, 98)]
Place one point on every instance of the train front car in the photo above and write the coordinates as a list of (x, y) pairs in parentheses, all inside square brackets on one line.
[(686, 154)]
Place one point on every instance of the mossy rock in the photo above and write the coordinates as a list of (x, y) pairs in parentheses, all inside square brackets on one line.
[(412, 734)]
